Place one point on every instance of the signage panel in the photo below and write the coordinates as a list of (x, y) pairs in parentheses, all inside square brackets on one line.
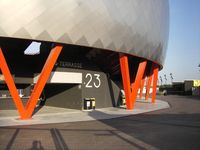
[(63, 77), (196, 83)]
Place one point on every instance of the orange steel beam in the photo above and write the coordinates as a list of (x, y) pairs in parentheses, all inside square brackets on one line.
[(142, 87), (131, 89), (148, 86), (155, 79), (45, 73), (11, 85), (25, 113), (126, 81), (139, 75)]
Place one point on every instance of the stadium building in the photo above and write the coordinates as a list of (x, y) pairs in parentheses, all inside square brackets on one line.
[(63, 52)]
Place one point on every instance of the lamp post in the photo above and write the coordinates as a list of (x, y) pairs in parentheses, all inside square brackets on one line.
[(171, 78), (165, 79), (161, 81)]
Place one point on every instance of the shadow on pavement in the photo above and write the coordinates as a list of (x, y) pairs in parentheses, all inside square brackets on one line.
[(167, 130), (36, 145), (58, 140)]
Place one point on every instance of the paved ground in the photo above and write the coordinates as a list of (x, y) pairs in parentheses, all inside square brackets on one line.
[(174, 128), (46, 114)]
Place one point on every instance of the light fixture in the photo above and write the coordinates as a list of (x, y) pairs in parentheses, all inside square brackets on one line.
[(33, 49)]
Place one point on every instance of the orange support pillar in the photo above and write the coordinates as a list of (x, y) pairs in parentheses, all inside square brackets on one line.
[(11, 85), (148, 86), (142, 87), (155, 79), (138, 79), (45, 73), (25, 113), (131, 89), (126, 81)]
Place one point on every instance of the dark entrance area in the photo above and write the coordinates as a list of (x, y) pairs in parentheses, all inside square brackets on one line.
[(63, 95)]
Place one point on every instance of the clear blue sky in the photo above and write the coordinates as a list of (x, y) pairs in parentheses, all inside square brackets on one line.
[(183, 52)]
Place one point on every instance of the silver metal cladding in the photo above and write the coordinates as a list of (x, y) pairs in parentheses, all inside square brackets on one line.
[(137, 27)]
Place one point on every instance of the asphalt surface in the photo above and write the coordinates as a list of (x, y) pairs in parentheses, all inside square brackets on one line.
[(175, 128)]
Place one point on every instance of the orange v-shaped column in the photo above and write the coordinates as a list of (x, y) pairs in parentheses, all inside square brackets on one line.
[(153, 76), (155, 80), (149, 81), (26, 112), (11, 85), (131, 89), (126, 81), (138, 79), (142, 86)]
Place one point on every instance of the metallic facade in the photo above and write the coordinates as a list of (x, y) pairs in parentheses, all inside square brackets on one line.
[(136, 27)]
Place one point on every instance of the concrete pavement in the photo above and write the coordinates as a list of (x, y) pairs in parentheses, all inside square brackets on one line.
[(47, 114), (174, 128)]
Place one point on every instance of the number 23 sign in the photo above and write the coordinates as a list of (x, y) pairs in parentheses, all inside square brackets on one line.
[(93, 80)]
